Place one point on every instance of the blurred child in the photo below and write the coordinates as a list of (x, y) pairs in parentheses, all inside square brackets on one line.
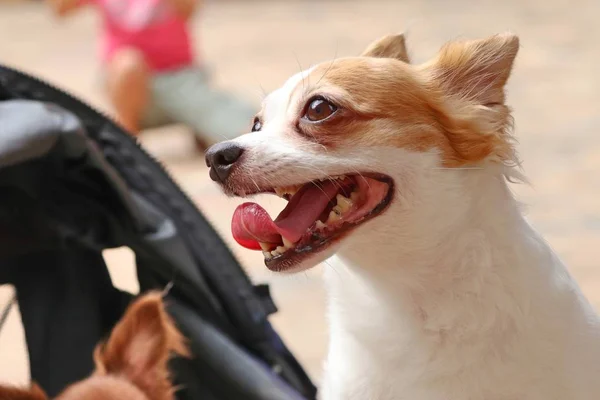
[(151, 74)]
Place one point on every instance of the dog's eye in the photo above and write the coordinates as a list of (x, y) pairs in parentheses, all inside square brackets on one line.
[(319, 109), (256, 125)]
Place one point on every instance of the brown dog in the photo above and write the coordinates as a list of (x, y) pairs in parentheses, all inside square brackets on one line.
[(131, 365)]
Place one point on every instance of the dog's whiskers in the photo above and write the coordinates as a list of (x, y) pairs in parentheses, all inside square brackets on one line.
[(326, 262), (330, 65), (301, 71), (255, 184)]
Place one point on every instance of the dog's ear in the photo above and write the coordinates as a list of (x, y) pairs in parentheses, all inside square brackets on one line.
[(140, 345), (391, 46), (476, 70), (13, 393)]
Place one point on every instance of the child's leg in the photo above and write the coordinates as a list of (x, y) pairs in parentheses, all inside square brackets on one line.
[(128, 87), (187, 97)]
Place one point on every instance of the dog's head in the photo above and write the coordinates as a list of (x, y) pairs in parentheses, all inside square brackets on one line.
[(341, 140), (132, 364)]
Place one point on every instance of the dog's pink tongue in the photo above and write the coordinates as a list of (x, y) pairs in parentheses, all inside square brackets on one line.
[(252, 224)]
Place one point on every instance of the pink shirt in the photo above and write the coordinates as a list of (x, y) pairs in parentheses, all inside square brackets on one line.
[(151, 26)]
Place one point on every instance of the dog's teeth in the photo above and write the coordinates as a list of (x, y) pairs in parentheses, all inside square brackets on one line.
[(354, 197), (287, 244), (334, 216), (343, 203), (265, 246), (320, 225), (286, 190), (267, 254), (278, 251)]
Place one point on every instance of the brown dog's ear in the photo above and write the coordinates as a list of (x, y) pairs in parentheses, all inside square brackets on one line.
[(140, 345), (391, 46), (476, 70), (13, 393)]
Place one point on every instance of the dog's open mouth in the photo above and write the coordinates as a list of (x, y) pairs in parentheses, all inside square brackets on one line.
[(317, 213)]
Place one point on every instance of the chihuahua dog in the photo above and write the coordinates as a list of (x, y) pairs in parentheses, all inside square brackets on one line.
[(131, 365), (439, 288)]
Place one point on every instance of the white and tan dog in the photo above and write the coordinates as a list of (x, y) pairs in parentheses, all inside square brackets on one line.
[(440, 289)]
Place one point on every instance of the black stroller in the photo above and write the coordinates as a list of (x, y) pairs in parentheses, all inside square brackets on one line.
[(72, 184)]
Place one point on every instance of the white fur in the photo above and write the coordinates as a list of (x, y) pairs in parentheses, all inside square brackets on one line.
[(449, 294)]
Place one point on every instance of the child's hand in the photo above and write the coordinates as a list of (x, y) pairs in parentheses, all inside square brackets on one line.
[(64, 7), (185, 8)]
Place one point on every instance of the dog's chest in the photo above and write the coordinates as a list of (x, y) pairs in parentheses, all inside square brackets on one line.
[(380, 351), (370, 353)]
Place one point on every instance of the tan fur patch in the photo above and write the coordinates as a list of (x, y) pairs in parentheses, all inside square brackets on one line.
[(13, 393), (453, 104), (391, 46), (140, 346), (132, 364)]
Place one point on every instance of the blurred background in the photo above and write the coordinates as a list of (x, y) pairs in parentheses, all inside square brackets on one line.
[(254, 45)]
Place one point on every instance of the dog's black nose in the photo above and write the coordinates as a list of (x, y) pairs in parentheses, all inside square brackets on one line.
[(220, 158)]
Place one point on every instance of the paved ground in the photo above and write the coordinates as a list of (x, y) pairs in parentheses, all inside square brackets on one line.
[(555, 91)]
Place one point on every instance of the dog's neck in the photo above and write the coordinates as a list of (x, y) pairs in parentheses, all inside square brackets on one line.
[(447, 217), (443, 252), (441, 286)]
